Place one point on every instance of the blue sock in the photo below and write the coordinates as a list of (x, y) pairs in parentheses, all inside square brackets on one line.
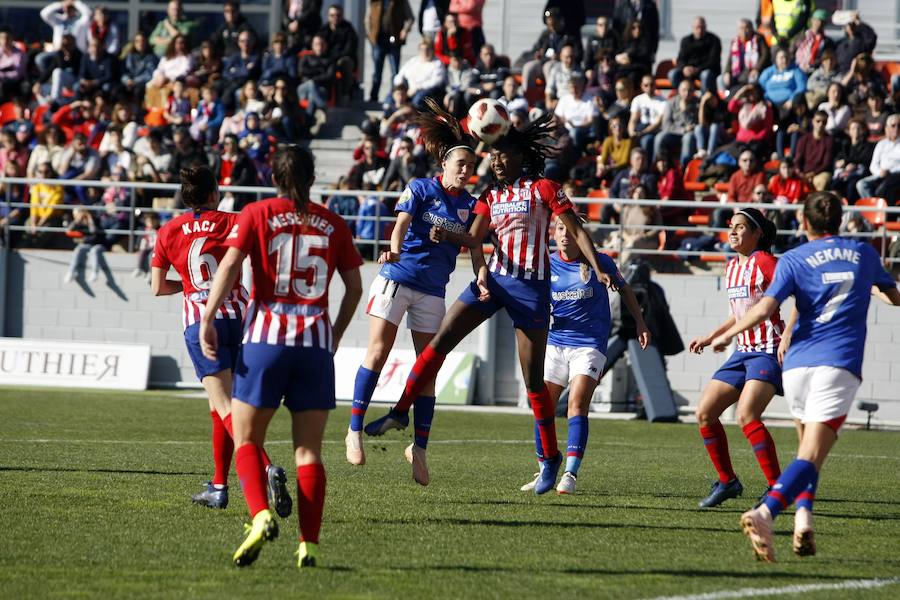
[(363, 389), (806, 497), (538, 448), (578, 436), (793, 480), (423, 413)]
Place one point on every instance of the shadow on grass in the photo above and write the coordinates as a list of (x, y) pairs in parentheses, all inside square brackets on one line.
[(538, 523), (114, 471), (578, 504), (681, 573)]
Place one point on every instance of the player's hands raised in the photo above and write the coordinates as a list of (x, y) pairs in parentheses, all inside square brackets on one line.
[(388, 257), (482, 282), (643, 336), (437, 234), (698, 344), (209, 340), (721, 343)]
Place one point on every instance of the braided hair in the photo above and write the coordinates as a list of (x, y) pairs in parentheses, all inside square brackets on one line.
[(535, 143), (441, 132)]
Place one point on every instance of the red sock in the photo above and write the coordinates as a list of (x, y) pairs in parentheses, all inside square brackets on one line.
[(252, 475), (764, 448), (223, 449), (717, 446), (310, 500), (544, 416), (230, 428), (424, 371)]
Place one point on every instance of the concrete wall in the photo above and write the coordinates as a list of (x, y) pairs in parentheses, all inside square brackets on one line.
[(40, 305)]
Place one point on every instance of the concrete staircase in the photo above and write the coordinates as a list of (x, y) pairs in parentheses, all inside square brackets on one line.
[(333, 147)]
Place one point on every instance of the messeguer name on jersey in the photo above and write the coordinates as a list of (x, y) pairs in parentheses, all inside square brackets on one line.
[(287, 219), (829, 254)]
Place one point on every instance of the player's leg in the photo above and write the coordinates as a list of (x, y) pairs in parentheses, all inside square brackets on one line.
[(308, 429), (218, 392), (555, 390), (755, 397), (423, 415), (581, 391), (717, 397)]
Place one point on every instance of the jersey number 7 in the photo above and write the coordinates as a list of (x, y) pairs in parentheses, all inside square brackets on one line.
[(842, 282), (298, 270)]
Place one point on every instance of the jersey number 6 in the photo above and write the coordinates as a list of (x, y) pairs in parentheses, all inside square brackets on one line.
[(197, 260), (298, 270)]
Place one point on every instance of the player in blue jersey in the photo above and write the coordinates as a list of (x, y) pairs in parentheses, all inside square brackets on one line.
[(433, 218), (576, 345), (751, 376), (832, 280)]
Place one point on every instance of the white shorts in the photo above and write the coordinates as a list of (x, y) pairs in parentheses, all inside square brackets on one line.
[(388, 300), (563, 364), (819, 394)]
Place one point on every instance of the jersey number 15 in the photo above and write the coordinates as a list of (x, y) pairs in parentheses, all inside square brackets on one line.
[(298, 270)]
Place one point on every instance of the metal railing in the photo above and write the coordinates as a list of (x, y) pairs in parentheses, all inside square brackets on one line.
[(380, 220)]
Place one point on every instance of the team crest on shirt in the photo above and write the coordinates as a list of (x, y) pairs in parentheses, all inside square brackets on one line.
[(463, 214)]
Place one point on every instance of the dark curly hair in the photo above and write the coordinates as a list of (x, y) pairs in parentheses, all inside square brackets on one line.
[(535, 143)]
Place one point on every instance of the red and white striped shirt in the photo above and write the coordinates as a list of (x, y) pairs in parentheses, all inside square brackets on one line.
[(746, 284), (293, 258), (520, 217), (193, 243)]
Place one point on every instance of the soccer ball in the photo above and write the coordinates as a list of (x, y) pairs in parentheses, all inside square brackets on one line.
[(488, 120)]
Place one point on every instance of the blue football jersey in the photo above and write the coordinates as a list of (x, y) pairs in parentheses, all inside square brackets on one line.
[(580, 310), (831, 280), (425, 266)]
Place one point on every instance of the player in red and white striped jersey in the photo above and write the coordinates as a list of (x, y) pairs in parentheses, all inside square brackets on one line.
[(295, 247), (193, 243), (752, 375), (518, 207)]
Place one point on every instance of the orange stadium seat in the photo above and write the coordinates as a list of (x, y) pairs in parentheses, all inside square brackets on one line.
[(594, 210), (6, 113), (662, 74), (692, 181), (875, 217)]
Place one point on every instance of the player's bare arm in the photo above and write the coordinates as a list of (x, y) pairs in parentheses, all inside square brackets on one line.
[(471, 239), (890, 296), (160, 286), (352, 293), (785, 342), (761, 311), (698, 344), (226, 276)]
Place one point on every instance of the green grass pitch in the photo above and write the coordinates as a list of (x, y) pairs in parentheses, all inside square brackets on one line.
[(95, 499)]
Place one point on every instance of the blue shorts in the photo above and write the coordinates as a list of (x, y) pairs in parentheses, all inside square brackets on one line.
[(744, 366), (266, 373), (229, 335), (526, 302)]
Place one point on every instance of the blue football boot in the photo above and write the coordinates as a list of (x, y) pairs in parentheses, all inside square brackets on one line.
[(392, 420), (547, 479), (212, 497), (276, 486), (721, 492)]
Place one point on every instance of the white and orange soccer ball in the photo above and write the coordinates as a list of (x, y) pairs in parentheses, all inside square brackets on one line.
[(488, 120)]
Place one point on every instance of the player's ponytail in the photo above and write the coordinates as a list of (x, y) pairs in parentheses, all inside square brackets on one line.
[(823, 212), (757, 221), (441, 132), (294, 171)]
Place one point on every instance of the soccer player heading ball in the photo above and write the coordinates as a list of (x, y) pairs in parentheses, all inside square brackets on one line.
[(518, 207), (831, 279), (295, 247), (433, 220), (752, 375), (194, 243)]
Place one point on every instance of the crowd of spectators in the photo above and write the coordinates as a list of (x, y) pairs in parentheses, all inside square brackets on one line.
[(771, 113)]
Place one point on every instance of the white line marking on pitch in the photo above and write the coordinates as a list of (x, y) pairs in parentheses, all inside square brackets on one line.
[(850, 584)]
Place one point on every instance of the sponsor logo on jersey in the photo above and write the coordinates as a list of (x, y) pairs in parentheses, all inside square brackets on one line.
[(509, 208), (581, 294), (405, 196), (828, 278), (738, 292), (444, 223)]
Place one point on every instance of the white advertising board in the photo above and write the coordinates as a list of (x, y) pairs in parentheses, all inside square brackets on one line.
[(51, 363), (455, 381)]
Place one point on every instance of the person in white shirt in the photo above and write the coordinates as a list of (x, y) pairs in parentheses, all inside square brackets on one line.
[(424, 76), (647, 112), (578, 112), (67, 17), (884, 182)]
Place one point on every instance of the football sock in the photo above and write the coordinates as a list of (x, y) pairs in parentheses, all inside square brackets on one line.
[(230, 429), (794, 480), (252, 475), (578, 436), (538, 448), (310, 500), (363, 389), (223, 449), (717, 447), (423, 413), (806, 497), (764, 448), (423, 372), (544, 415)]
